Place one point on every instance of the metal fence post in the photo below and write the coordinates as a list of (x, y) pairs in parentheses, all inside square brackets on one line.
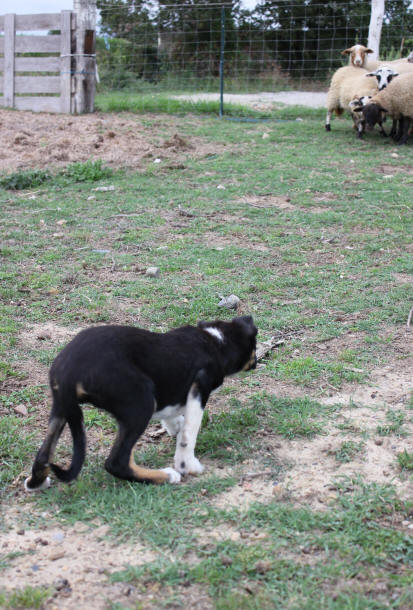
[(221, 65)]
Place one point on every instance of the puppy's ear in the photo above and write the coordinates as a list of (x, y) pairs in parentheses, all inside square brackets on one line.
[(369, 51), (247, 325)]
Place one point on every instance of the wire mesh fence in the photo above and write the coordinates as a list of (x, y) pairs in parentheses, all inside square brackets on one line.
[(185, 47)]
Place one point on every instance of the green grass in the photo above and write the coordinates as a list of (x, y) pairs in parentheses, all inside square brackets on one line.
[(28, 597), (405, 460)]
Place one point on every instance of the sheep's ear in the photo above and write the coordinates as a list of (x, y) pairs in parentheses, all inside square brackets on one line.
[(395, 74), (370, 74), (369, 51), (346, 52)]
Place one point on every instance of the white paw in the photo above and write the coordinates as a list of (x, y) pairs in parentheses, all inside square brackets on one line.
[(173, 475), (188, 465), (173, 425), (46, 483)]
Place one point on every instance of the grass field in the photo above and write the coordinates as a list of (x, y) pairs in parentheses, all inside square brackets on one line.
[(306, 501)]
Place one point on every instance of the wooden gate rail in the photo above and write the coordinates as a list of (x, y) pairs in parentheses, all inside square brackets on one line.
[(15, 86)]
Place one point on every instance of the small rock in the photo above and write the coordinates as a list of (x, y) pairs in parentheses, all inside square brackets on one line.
[(221, 187), (61, 222), (157, 160), (91, 197), (61, 583), (405, 522), (226, 560), (58, 537), (35, 567), (231, 302), (394, 155), (378, 441), (299, 119), (410, 527), (265, 136), (262, 567), (20, 532), (21, 410), (56, 555), (152, 272), (276, 489), (103, 189)]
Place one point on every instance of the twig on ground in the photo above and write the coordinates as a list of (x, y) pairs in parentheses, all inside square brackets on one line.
[(254, 475), (124, 215), (409, 317)]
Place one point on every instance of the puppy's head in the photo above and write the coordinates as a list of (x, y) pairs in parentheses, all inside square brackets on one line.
[(237, 342)]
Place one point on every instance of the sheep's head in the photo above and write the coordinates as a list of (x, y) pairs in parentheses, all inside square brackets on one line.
[(384, 76), (357, 54), (372, 113), (358, 103)]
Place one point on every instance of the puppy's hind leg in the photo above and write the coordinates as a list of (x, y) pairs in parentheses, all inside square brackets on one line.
[(121, 464)]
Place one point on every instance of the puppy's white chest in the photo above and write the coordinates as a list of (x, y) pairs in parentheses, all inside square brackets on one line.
[(168, 412)]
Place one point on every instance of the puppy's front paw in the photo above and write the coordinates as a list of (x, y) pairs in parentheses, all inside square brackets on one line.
[(188, 465), (173, 475)]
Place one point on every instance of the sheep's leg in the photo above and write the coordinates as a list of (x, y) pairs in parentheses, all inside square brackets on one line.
[(382, 130), (406, 121), (399, 131), (393, 129), (328, 119)]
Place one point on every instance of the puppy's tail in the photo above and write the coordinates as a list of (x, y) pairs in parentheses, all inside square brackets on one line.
[(79, 448), (41, 466)]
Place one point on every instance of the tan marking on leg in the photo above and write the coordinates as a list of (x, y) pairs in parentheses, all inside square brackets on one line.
[(156, 476), (80, 390), (250, 362)]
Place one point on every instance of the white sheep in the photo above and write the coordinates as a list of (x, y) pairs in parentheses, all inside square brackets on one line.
[(349, 83), (397, 101), (358, 57)]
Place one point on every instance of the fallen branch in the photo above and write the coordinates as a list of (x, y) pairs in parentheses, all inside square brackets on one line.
[(254, 475), (264, 348)]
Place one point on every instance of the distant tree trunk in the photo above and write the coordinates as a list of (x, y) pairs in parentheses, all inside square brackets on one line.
[(376, 21)]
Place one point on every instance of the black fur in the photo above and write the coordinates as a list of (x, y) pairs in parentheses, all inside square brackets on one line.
[(131, 373)]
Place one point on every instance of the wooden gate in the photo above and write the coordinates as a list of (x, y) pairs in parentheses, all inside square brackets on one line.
[(41, 73)]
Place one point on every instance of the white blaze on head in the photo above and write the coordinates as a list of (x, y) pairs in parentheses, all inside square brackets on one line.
[(215, 333), (358, 55)]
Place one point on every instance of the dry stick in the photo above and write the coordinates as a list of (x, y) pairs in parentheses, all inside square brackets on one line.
[(409, 318), (254, 475)]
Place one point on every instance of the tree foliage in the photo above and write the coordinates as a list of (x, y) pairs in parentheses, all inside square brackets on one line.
[(301, 38)]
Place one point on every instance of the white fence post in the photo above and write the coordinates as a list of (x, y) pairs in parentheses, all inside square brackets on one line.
[(9, 60), (376, 22), (85, 73)]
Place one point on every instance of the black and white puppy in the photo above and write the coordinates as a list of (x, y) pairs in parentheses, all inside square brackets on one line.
[(137, 375)]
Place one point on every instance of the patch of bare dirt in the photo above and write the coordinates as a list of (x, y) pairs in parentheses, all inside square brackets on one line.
[(282, 202), (119, 140), (66, 561), (394, 169)]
